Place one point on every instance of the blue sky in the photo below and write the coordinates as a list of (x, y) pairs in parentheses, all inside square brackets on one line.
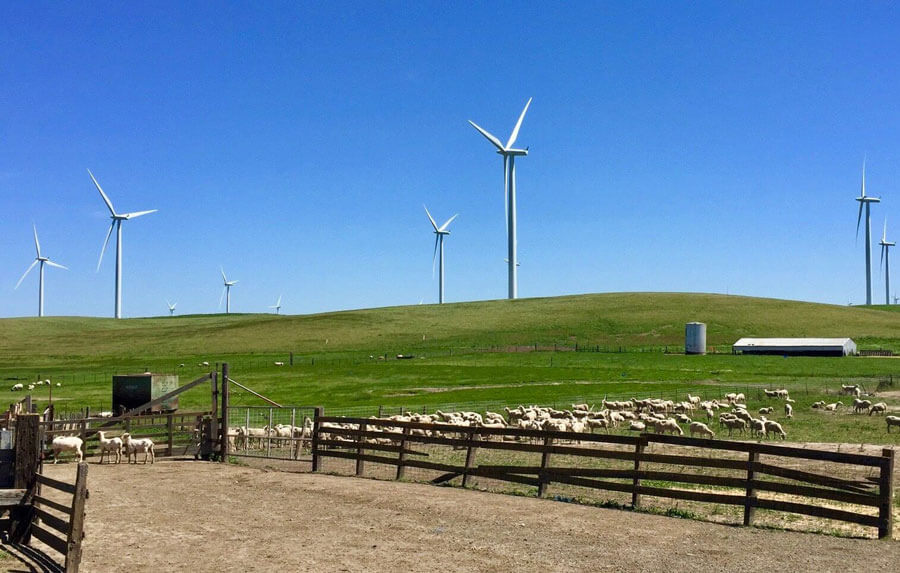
[(708, 147)]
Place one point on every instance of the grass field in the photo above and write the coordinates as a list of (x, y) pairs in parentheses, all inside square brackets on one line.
[(482, 352)]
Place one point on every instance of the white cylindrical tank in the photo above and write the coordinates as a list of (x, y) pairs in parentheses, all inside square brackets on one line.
[(695, 338)]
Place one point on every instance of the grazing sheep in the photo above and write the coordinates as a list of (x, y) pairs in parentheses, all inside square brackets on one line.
[(18, 386), (110, 446), (733, 424), (279, 364), (59, 384), (775, 428), (860, 405), (710, 414), (788, 410), (31, 386), (766, 410), (67, 444), (683, 419), (668, 425), (135, 445), (880, 408), (757, 427), (637, 426), (892, 421), (701, 428)]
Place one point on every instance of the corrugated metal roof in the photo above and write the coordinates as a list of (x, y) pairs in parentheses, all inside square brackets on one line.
[(793, 342)]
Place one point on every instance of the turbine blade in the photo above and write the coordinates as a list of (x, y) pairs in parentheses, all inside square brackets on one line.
[(506, 193), (430, 218), (881, 264), (106, 242), (278, 304), (224, 278), (864, 177), (221, 298), (26, 273), (137, 214), (515, 133), (102, 194), (434, 255), (884, 232), (57, 265), (488, 136), (859, 219), (447, 224), (37, 244)]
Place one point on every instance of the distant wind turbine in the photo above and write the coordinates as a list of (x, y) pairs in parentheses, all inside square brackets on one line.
[(226, 292), (277, 305), (866, 200), (171, 307), (885, 259), (42, 260), (117, 219), (439, 233), (509, 189)]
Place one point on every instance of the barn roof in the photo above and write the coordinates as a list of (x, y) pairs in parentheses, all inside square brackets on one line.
[(780, 342)]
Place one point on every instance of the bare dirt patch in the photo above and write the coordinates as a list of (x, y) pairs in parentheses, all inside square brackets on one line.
[(185, 515)]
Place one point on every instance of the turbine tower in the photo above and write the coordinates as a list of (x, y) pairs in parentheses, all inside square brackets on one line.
[(171, 307), (439, 233), (277, 305), (885, 259), (866, 200), (117, 219), (509, 189), (42, 260), (226, 292)]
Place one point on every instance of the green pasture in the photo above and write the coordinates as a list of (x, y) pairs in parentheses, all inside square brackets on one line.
[(489, 353)]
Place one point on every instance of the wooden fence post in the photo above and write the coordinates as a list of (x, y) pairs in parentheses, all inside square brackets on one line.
[(27, 465), (886, 495), (170, 433), (213, 436), (402, 457), (360, 442), (543, 482), (269, 431), (470, 456), (225, 412), (76, 523), (315, 438), (749, 507), (636, 482)]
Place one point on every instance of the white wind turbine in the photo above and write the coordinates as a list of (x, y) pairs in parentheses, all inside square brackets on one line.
[(117, 219), (277, 305), (885, 259), (866, 200), (439, 233), (42, 260), (509, 188), (171, 307), (226, 292)]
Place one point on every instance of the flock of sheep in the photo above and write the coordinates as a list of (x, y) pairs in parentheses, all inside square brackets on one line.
[(108, 447), (19, 387)]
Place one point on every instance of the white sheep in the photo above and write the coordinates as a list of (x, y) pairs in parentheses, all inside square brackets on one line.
[(110, 446), (860, 405), (879, 408), (31, 386), (775, 428), (18, 386), (669, 425), (701, 428), (733, 424), (637, 426), (833, 406), (67, 444), (892, 421), (788, 410), (135, 445), (766, 410)]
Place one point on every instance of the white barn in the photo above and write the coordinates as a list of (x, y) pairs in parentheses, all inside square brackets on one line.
[(796, 346)]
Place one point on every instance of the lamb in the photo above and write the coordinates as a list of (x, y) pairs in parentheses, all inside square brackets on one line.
[(701, 428), (109, 446), (67, 444), (710, 414), (788, 410), (880, 407), (892, 421), (775, 428), (135, 445)]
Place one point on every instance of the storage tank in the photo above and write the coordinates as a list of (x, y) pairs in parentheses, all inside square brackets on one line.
[(695, 338), (132, 390)]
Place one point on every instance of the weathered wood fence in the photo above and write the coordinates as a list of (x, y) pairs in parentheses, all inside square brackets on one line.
[(393, 443)]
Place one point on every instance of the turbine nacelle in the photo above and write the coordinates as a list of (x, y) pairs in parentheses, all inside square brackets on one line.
[(512, 152)]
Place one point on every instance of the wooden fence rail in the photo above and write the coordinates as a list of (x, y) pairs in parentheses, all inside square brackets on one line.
[(396, 443)]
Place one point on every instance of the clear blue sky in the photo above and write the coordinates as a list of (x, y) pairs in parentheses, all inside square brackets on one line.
[(709, 147)]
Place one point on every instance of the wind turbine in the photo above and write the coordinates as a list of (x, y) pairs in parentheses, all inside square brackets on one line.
[(277, 305), (117, 219), (885, 259), (509, 189), (42, 260), (439, 233), (866, 200), (171, 307), (226, 292)]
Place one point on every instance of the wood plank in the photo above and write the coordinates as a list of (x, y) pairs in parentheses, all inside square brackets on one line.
[(692, 495), (55, 484), (694, 461), (52, 521), (445, 478), (49, 538), (52, 504), (816, 511), (11, 497), (813, 478), (866, 499), (559, 471), (76, 531), (627, 487)]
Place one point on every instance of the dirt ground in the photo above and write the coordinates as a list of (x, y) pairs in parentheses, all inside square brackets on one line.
[(198, 516)]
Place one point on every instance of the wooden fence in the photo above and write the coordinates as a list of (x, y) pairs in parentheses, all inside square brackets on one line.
[(70, 526), (367, 441)]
